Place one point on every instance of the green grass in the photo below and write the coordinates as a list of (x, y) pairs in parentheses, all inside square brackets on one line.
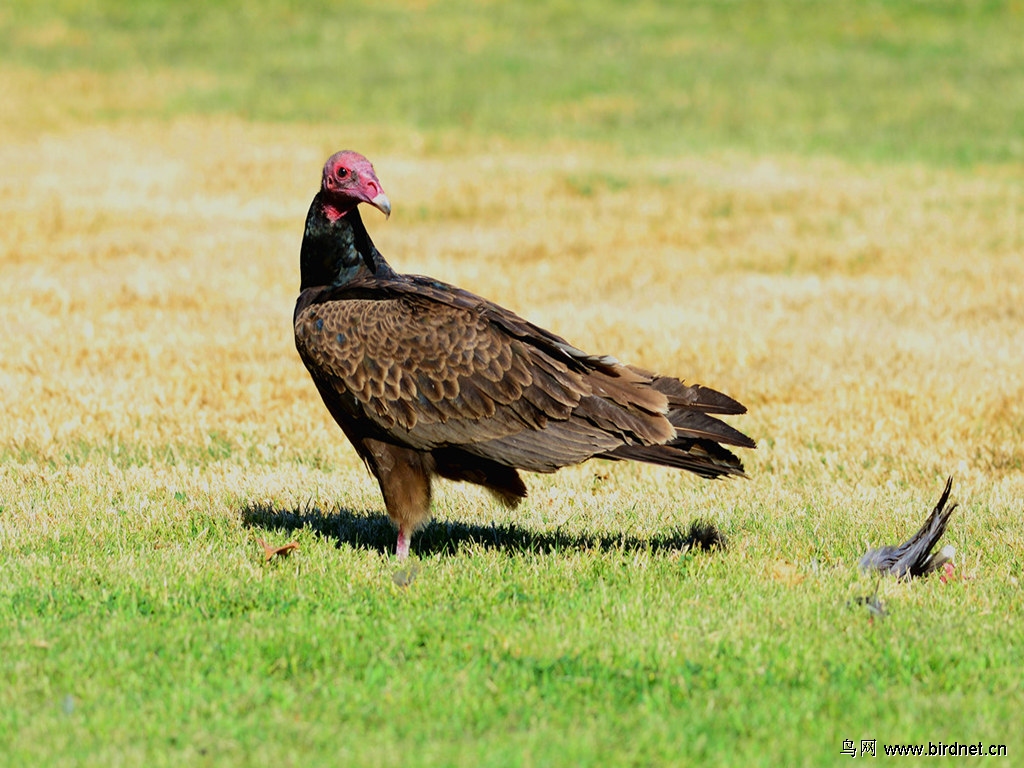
[(904, 81), (151, 632)]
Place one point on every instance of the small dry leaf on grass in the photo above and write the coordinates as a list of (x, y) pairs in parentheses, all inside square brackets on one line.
[(284, 550)]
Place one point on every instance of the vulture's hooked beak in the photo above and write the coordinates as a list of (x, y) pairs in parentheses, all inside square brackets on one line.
[(382, 204)]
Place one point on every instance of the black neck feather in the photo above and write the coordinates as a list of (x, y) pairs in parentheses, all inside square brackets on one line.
[(336, 252)]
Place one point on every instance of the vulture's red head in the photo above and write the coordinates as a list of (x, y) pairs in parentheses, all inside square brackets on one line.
[(349, 180)]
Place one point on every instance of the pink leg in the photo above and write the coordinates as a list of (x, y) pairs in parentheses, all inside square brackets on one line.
[(402, 548)]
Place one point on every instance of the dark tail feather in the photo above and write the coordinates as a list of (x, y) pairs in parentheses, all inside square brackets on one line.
[(701, 426), (694, 397), (696, 447), (703, 457)]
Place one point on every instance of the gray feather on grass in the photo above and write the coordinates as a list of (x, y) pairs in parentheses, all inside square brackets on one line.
[(915, 557)]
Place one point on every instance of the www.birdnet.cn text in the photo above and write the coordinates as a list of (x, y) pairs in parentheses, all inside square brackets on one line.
[(871, 748)]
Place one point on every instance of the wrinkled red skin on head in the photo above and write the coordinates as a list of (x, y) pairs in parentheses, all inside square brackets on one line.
[(348, 179)]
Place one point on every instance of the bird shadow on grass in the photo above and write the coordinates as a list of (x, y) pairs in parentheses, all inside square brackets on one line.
[(373, 531)]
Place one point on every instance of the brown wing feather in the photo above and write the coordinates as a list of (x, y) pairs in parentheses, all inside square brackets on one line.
[(430, 374)]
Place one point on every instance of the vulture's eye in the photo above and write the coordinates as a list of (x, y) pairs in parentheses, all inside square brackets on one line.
[(342, 173)]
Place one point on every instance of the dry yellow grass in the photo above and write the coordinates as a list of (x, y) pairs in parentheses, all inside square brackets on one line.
[(871, 318)]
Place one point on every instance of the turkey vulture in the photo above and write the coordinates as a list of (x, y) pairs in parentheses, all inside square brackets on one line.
[(427, 379), (915, 557)]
